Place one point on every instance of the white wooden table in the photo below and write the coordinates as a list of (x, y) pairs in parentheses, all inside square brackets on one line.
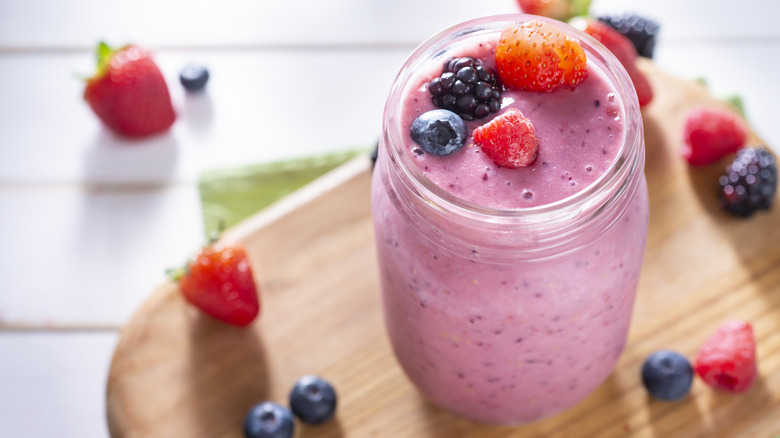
[(89, 222)]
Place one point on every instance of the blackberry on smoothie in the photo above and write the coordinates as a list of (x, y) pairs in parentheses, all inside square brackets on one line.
[(510, 211)]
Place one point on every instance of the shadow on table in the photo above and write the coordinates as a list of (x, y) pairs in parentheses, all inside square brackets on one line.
[(197, 112), (227, 374), (118, 160)]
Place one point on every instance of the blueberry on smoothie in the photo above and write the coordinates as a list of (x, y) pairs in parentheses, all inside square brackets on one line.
[(269, 420), (439, 132), (313, 400), (667, 375)]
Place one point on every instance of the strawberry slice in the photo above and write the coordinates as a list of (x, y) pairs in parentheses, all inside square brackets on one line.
[(128, 92), (538, 56), (218, 280), (508, 139)]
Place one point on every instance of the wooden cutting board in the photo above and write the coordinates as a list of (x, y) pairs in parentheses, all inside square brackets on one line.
[(176, 373)]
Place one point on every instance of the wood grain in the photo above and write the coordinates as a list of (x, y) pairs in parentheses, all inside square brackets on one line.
[(178, 373)]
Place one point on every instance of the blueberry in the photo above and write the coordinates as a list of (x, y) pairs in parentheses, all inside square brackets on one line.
[(269, 420), (667, 375), (439, 132), (194, 77), (313, 400)]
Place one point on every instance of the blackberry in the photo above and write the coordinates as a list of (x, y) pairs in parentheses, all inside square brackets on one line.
[(467, 88), (749, 183), (640, 30)]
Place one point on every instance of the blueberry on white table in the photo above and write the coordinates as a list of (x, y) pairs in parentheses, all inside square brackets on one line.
[(193, 77)]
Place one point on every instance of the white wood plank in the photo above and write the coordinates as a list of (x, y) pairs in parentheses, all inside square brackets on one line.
[(254, 109), (702, 20), (732, 69), (80, 23), (53, 384), (77, 257), (259, 106)]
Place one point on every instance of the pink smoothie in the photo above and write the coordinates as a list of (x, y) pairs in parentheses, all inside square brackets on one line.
[(517, 339)]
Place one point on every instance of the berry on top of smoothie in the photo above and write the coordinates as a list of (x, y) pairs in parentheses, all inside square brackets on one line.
[(538, 56), (468, 88), (439, 132), (508, 139)]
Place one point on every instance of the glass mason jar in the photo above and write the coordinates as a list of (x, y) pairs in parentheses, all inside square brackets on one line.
[(508, 315)]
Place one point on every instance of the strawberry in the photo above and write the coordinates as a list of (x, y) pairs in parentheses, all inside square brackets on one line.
[(538, 56), (561, 10), (624, 51), (218, 280), (128, 92), (727, 360), (508, 139), (710, 134)]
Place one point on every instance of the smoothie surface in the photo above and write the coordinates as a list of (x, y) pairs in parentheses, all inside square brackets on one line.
[(580, 133)]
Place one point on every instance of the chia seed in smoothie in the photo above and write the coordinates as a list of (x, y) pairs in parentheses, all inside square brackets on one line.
[(487, 317)]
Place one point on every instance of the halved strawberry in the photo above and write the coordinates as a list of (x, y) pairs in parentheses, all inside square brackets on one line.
[(508, 139), (128, 92), (624, 51), (561, 10), (538, 56), (218, 280)]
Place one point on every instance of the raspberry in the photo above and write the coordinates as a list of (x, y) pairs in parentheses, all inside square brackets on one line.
[(727, 360), (749, 183), (537, 56), (508, 139), (710, 134), (639, 30), (467, 88)]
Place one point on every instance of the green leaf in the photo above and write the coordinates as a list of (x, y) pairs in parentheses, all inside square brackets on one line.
[(229, 196), (735, 100), (104, 54), (580, 7)]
